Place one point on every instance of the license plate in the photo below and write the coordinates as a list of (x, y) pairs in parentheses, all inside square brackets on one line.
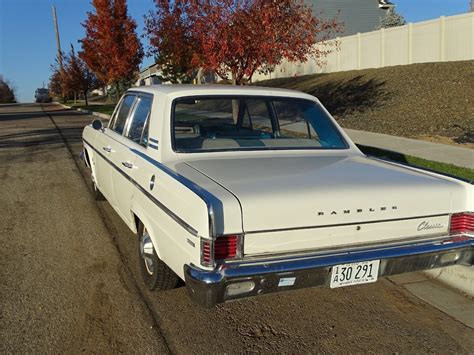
[(354, 273)]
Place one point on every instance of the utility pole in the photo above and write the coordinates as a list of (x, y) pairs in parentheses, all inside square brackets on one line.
[(58, 42)]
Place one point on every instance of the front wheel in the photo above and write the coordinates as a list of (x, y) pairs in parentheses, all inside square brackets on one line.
[(155, 273)]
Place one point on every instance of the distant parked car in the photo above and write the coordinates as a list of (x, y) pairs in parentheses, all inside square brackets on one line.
[(42, 95), (244, 191)]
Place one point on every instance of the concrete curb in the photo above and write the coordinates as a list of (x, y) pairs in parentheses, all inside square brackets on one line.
[(92, 113), (96, 114), (60, 104), (458, 277)]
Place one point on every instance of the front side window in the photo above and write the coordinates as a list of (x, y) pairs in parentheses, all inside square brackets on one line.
[(252, 123), (136, 130), (122, 113)]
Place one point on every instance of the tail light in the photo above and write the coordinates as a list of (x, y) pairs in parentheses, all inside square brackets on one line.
[(226, 247), (462, 223)]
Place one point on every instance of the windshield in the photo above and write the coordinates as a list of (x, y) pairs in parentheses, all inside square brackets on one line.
[(251, 123)]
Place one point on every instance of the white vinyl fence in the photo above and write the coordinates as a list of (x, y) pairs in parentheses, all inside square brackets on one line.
[(440, 40)]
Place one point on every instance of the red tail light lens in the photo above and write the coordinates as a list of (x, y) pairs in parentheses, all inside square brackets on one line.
[(206, 252), (462, 223), (225, 247)]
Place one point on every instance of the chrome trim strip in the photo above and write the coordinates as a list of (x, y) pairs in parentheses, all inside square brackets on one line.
[(209, 199), (226, 189), (212, 202), (341, 258), (344, 224), (266, 258), (209, 287), (165, 209)]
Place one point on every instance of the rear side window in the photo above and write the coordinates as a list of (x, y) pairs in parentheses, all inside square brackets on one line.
[(138, 129), (122, 113)]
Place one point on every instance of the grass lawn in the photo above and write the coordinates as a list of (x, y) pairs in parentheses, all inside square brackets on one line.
[(443, 168), (105, 108)]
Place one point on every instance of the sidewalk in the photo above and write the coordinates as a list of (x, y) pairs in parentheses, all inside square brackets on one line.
[(430, 151), (435, 292), (458, 277)]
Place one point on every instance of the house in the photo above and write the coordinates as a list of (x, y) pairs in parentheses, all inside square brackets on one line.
[(149, 76), (356, 15)]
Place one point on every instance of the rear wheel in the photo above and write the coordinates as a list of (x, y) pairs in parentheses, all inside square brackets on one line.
[(155, 273)]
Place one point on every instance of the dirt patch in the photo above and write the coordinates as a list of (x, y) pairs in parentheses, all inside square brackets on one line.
[(444, 140)]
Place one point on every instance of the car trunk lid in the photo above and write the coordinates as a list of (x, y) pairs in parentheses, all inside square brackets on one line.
[(305, 202)]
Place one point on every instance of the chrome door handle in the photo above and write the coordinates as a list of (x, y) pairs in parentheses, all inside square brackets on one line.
[(107, 149), (127, 164)]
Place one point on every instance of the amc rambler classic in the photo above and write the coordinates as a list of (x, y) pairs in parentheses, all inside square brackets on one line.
[(245, 191)]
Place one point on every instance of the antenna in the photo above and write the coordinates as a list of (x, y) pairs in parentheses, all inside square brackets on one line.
[(58, 42)]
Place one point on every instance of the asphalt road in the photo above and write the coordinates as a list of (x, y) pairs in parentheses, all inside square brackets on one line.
[(69, 278)]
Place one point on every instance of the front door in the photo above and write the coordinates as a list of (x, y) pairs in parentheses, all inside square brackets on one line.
[(119, 174), (100, 165), (124, 158)]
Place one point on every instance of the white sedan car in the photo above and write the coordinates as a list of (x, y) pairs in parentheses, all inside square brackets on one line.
[(244, 191)]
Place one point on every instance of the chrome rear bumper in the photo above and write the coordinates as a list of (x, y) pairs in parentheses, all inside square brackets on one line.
[(208, 288)]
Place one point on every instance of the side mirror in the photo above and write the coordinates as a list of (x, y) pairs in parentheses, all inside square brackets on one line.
[(97, 124)]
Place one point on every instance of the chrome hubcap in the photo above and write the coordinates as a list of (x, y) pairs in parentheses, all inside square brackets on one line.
[(147, 251)]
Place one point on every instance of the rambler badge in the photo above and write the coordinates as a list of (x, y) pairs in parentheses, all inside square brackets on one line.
[(426, 225), (359, 210)]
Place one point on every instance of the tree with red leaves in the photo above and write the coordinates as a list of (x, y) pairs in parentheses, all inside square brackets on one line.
[(55, 84), (72, 77), (59, 83), (111, 48), (7, 92), (80, 78), (238, 38), (170, 34)]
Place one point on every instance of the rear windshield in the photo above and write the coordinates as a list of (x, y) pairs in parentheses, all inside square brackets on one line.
[(202, 124)]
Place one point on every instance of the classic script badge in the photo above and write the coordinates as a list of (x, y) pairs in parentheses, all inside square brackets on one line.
[(427, 226)]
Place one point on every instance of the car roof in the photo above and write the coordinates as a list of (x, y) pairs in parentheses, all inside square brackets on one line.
[(177, 90)]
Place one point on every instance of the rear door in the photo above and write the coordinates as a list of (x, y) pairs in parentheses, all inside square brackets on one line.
[(134, 134)]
